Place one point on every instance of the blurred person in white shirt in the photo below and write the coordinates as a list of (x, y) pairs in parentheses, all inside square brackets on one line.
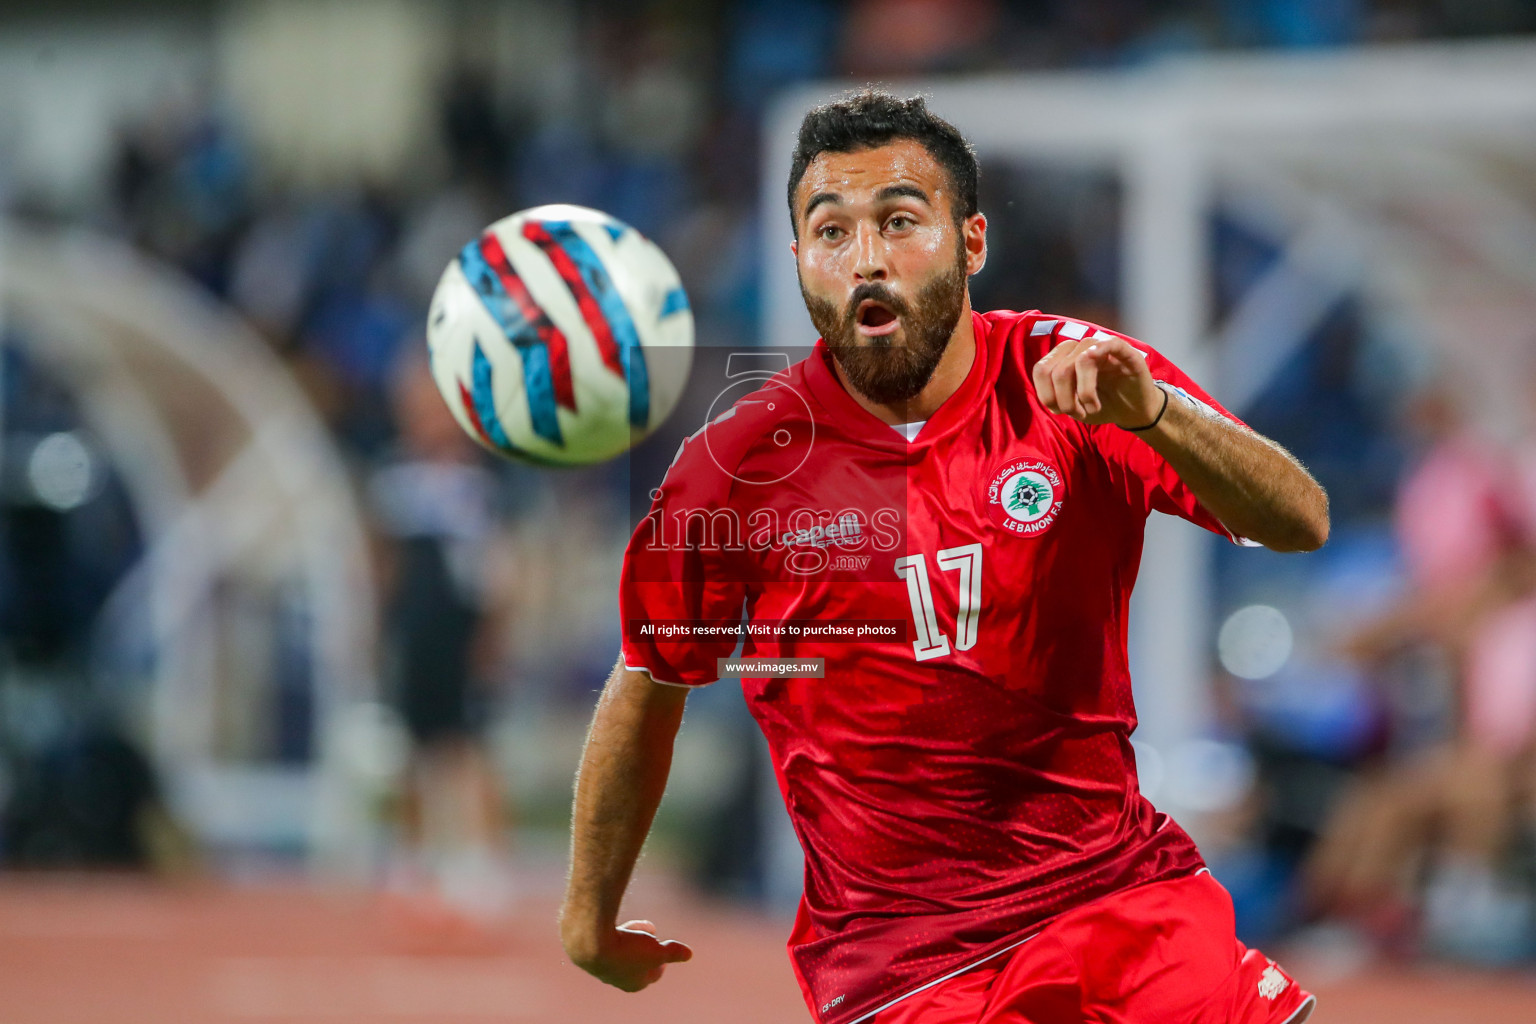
[(438, 545)]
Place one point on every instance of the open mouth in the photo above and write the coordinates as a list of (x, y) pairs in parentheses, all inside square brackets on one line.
[(874, 318)]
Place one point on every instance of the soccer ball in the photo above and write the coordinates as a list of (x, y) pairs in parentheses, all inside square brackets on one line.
[(560, 336)]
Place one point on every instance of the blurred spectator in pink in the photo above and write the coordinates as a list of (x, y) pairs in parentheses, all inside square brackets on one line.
[(1448, 814)]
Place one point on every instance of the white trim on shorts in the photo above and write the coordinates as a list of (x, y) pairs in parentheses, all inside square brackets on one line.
[(991, 956), (935, 981), (1311, 1000)]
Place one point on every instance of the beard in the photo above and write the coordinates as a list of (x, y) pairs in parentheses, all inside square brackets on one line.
[(882, 371)]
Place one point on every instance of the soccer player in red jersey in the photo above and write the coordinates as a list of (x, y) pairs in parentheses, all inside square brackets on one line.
[(970, 490)]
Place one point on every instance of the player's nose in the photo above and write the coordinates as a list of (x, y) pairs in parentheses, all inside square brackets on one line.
[(869, 254)]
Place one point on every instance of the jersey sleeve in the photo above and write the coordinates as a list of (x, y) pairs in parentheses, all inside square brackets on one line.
[(1147, 480), (680, 591)]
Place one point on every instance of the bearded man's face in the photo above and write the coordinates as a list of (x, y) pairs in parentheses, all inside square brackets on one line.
[(882, 265)]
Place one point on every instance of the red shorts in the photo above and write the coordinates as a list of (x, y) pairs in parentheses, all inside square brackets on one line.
[(1161, 953)]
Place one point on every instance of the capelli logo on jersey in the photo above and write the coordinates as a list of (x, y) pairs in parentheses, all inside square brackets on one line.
[(1024, 496), (848, 530)]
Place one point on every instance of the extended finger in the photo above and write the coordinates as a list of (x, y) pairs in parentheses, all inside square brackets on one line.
[(1118, 361), (1087, 393), (1064, 380), (1041, 375), (1124, 371), (638, 926), (1122, 353)]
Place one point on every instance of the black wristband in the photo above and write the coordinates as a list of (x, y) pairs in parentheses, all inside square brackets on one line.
[(1156, 420)]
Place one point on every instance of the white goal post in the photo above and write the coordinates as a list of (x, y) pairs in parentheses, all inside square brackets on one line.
[(237, 488)]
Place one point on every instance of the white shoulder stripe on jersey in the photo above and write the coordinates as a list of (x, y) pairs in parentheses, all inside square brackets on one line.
[(1069, 329)]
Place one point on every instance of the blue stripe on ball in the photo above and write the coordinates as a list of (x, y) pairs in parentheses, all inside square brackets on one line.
[(483, 396), (631, 355), (675, 302), (538, 382)]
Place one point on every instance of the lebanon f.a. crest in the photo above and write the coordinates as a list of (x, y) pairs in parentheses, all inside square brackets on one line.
[(1024, 496)]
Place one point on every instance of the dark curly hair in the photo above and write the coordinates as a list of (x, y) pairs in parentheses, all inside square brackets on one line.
[(873, 117)]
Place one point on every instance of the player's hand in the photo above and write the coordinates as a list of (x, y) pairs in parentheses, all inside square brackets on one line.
[(629, 957), (1098, 380)]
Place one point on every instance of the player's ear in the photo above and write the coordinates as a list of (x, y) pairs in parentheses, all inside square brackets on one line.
[(794, 249), (974, 234)]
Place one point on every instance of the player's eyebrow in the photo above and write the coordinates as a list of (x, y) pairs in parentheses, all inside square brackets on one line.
[(819, 198), (885, 194), (899, 191)]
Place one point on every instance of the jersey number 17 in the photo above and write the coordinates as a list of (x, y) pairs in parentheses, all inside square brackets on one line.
[(931, 641)]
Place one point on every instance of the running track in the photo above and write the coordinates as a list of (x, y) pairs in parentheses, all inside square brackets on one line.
[(130, 951)]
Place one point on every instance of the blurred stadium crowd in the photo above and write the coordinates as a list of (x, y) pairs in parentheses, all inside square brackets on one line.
[(1375, 763)]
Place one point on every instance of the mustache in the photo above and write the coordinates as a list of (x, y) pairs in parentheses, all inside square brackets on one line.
[(876, 292)]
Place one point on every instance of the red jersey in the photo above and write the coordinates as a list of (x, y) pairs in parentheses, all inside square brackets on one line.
[(954, 785)]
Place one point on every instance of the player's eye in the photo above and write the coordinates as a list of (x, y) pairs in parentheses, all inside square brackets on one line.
[(830, 232), (900, 222)]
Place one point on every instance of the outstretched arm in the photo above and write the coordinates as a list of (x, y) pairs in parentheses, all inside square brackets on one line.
[(623, 772), (1255, 487)]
